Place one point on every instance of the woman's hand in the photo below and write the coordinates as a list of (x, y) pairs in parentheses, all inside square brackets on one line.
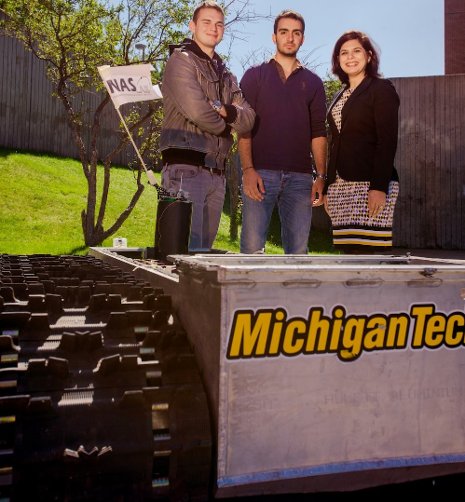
[(325, 203), (376, 203)]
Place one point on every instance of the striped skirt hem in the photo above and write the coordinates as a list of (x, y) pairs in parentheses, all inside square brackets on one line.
[(367, 236), (347, 204)]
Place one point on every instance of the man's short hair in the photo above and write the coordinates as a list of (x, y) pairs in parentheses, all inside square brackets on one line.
[(292, 14), (206, 4)]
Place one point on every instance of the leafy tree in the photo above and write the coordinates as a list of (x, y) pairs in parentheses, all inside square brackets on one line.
[(73, 38), (332, 86)]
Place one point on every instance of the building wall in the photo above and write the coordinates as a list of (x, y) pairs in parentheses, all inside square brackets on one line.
[(454, 32), (431, 162)]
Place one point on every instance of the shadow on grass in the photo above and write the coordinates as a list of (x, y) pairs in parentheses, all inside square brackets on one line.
[(5, 152), (79, 250)]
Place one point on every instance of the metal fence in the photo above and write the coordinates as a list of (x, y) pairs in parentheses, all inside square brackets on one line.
[(430, 157)]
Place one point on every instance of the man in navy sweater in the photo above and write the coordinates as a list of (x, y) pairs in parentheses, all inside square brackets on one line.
[(286, 144)]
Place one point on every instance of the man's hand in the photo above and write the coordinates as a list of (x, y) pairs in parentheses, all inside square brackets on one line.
[(317, 189), (252, 184), (221, 111)]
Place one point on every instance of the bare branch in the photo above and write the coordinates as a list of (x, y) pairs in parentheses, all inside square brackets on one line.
[(74, 37)]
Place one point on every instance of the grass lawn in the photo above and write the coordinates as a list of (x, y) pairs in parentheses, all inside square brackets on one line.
[(43, 197)]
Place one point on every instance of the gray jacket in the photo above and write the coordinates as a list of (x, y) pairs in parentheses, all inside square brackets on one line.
[(190, 124)]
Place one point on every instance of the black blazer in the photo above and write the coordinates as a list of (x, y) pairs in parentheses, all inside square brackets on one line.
[(365, 148)]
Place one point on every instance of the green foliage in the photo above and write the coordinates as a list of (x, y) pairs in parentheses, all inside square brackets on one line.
[(332, 86), (156, 25), (72, 36)]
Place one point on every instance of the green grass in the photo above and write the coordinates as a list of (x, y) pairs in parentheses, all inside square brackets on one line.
[(42, 197)]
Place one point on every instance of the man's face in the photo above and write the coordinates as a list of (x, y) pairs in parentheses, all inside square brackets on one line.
[(288, 37), (208, 29)]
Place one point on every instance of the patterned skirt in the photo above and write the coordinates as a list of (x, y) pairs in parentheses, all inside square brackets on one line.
[(347, 205)]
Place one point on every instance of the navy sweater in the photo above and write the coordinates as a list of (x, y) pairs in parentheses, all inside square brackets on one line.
[(289, 115)]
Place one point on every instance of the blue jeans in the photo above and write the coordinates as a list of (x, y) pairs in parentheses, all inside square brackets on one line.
[(292, 193), (206, 190)]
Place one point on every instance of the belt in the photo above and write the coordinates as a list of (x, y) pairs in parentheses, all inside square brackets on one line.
[(214, 170)]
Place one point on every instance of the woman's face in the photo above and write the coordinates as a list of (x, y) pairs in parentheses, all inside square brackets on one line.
[(353, 58)]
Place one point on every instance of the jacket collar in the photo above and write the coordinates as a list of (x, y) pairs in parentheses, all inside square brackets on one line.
[(190, 45), (364, 84)]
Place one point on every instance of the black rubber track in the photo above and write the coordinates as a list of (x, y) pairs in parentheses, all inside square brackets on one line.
[(100, 396)]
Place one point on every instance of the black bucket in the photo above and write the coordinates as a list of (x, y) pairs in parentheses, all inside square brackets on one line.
[(173, 227)]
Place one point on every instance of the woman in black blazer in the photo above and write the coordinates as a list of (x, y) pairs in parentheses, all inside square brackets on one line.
[(362, 185)]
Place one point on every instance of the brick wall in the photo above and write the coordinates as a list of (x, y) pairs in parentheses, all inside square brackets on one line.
[(454, 32)]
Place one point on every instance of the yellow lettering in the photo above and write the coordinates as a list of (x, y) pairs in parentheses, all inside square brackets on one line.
[(376, 334), (276, 335), (269, 333), (318, 331), (420, 313), (352, 339), (249, 334), (338, 316), (434, 332), (293, 337), (397, 332), (454, 336)]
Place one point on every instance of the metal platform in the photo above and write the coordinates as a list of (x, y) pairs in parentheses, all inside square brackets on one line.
[(327, 372)]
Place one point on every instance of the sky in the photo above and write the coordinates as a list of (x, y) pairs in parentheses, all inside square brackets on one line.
[(408, 33)]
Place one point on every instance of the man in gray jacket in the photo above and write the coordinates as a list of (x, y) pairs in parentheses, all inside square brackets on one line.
[(202, 105)]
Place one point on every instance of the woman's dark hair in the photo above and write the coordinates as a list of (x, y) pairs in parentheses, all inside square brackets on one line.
[(372, 68)]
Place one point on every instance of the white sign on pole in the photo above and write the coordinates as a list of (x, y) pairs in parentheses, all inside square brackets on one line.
[(129, 84)]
